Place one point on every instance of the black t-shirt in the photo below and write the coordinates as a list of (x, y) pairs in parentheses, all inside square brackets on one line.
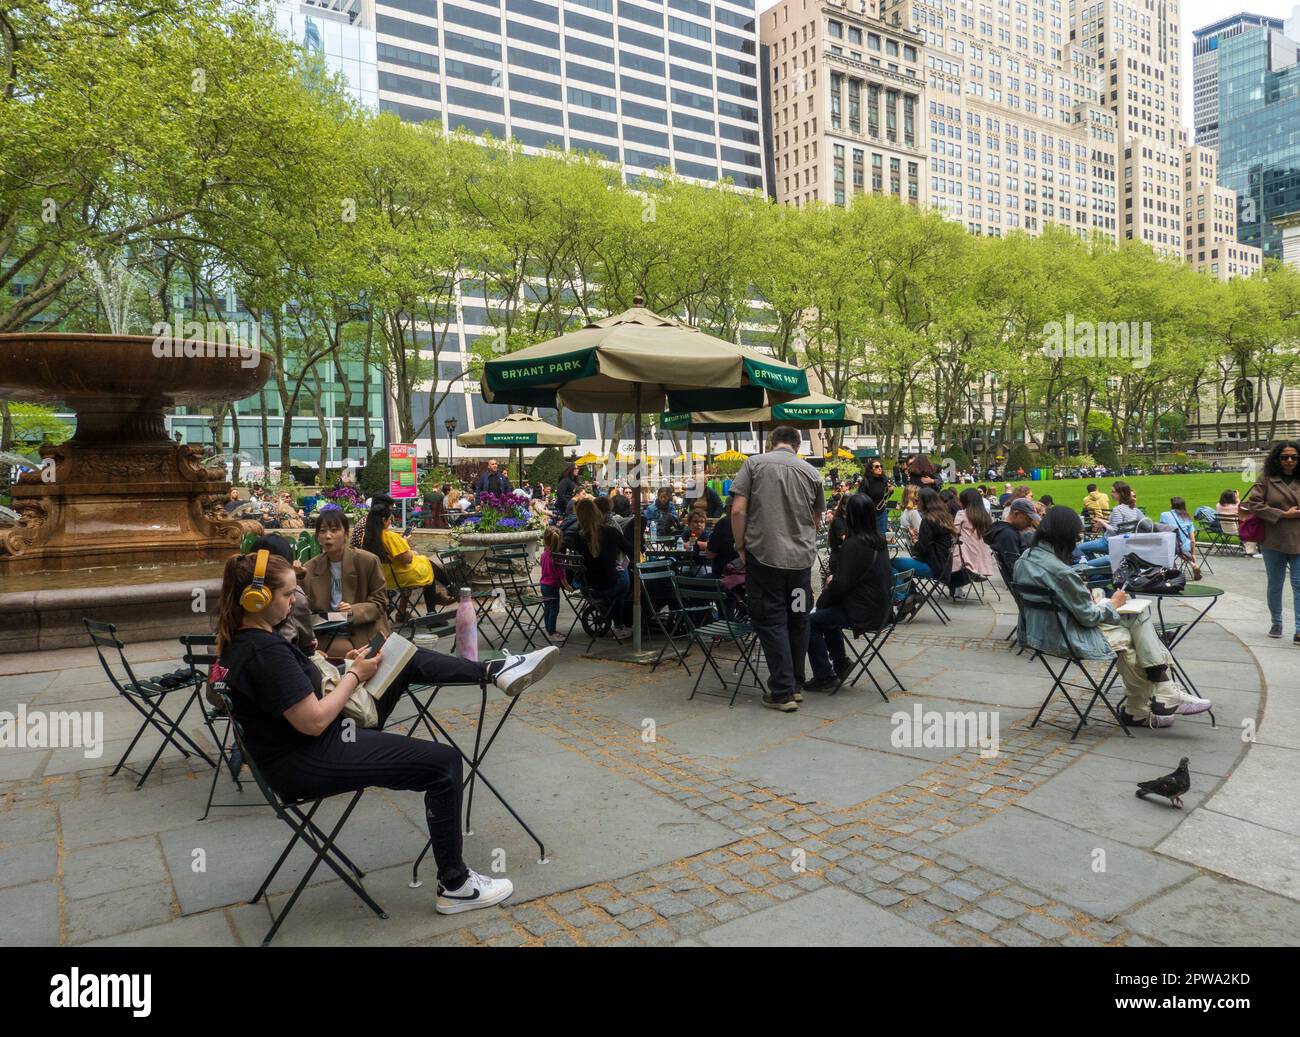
[(602, 569), (264, 675), (722, 542)]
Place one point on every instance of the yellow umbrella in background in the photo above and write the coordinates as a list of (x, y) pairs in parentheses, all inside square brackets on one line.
[(842, 453), (588, 459), (732, 455)]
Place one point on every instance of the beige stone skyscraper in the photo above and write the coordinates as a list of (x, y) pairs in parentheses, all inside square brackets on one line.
[(1136, 46), (1210, 220), (846, 94), (1019, 135)]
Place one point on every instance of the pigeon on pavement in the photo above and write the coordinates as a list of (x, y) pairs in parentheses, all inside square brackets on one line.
[(1171, 786)]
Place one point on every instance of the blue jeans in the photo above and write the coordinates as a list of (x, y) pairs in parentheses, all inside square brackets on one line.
[(904, 563), (550, 606), (1275, 564), (616, 595), (826, 640), (882, 521)]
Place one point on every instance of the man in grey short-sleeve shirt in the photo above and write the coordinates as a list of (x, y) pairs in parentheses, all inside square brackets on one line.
[(779, 501)]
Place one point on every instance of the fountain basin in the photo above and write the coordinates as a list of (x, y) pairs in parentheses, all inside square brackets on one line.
[(120, 492)]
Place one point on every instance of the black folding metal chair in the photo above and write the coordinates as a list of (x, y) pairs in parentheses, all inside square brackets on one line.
[(199, 660), (705, 606), (663, 609), (148, 697), (290, 811), (514, 593), (1033, 598), (1221, 538), (874, 643)]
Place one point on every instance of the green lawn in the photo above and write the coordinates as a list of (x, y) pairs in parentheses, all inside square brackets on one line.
[(1153, 491)]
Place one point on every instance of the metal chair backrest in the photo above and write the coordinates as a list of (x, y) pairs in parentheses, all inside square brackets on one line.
[(1033, 598), (104, 636), (1127, 527), (700, 589), (272, 797)]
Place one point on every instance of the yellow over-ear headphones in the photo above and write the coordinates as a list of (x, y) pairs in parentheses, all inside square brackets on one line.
[(256, 596)]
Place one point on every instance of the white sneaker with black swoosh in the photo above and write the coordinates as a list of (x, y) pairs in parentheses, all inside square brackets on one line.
[(477, 891), (518, 672)]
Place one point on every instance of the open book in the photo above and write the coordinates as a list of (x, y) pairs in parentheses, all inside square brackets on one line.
[(396, 652), (1134, 606), (329, 617)]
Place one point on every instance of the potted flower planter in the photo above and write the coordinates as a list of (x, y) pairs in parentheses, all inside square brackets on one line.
[(529, 539)]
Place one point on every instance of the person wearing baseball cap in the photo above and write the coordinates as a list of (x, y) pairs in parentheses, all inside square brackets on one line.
[(1009, 537)]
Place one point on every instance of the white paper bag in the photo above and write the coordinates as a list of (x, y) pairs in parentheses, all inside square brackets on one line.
[(1157, 548)]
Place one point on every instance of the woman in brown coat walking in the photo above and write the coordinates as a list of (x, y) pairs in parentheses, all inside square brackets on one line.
[(1275, 498)]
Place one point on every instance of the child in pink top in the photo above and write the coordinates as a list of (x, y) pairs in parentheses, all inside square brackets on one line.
[(553, 578)]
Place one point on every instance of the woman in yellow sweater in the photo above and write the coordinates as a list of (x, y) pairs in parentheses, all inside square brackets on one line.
[(402, 567)]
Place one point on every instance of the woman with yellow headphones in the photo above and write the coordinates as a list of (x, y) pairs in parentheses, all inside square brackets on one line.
[(298, 738)]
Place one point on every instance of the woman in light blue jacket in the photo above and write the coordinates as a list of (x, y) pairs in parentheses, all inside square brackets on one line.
[(1095, 630), (1178, 518)]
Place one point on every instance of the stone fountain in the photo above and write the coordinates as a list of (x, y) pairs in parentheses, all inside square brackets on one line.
[(119, 493)]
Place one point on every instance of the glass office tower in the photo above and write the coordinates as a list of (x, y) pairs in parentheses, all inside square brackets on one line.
[(1259, 146)]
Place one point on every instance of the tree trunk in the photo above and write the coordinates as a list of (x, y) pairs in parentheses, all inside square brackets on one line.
[(344, 429), (265, 426), (234, 443), (323, 458)]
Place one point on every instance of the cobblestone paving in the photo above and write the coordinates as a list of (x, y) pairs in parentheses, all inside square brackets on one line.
[(787, 845)]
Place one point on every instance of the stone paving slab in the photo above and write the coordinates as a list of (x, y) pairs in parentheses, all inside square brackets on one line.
[(1058, 859), (1211, 751), (1265, 790), (834, 774), (594, 825), (826, 918), (1098, 794), (31, 915), (211, 929), (1210, 911), (873, 731), (1239, 849)]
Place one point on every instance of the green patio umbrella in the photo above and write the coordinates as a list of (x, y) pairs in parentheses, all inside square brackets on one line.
[(811, 411), (517, 431), (640, 361)]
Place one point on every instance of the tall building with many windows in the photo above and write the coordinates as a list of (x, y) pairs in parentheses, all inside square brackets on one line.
[(847, 100), (1136, 46), (1017, 136), (645, 83), (1259, 131), (1210, 220), (1205, 70)]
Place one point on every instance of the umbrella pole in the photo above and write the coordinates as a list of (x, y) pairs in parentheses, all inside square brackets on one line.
[(636, 533)]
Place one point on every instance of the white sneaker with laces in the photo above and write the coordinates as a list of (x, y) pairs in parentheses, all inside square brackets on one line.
[(477, 891), (1172, 697), (521, 671)]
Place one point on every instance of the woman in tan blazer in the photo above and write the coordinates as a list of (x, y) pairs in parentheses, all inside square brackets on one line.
[(1275, 498), (344, 579)]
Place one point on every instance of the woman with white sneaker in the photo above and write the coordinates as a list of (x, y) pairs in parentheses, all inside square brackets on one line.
[(1095, 630), (296, 736)]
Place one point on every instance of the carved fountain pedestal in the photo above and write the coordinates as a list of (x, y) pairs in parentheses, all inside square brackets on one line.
[(119, 493)]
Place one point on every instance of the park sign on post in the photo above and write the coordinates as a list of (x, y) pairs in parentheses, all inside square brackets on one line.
[(511, 439), (402, 474)]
